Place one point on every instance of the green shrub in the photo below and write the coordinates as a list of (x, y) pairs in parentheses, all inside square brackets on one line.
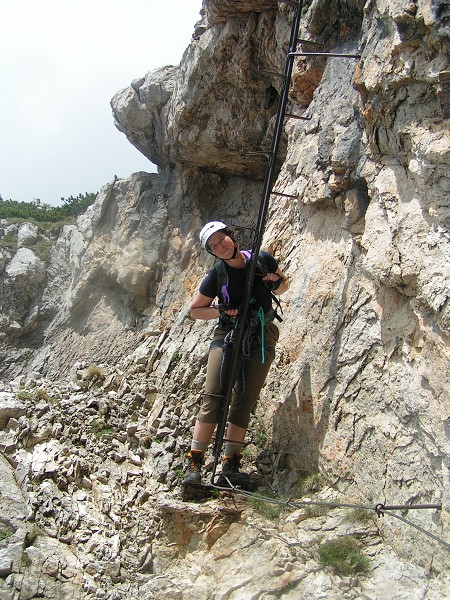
[(312, 483), (179, 473), (359, 515), (305, 6), (49, 221), (343, 556), (24, 395), (98, 433), (266, 509), (99, 428), (42, 394), (176, 356), (316, 510), (27, 211), (260, 437), (8, 242), (42, 248)]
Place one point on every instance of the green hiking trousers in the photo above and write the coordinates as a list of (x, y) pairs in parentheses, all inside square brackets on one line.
[(250, 381)]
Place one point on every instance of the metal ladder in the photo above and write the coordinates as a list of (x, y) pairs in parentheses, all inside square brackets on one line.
[(235, 361)]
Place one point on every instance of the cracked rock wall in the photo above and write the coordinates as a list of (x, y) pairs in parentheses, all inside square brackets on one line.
[(360, 387)]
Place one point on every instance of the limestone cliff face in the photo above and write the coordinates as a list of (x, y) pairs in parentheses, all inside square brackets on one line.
[(360, 386)]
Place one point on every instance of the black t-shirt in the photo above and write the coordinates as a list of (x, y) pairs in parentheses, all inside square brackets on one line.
[(236, 284)]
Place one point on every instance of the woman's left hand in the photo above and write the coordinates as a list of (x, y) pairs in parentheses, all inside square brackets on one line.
[(272, 277), (276, 281)]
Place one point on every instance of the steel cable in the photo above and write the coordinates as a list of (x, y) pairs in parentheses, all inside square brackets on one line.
[(379, 509)]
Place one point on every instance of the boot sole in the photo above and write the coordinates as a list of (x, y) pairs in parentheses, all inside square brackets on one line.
[(197, 491)]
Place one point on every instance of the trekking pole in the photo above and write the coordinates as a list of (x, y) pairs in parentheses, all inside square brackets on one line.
[(268, 182)]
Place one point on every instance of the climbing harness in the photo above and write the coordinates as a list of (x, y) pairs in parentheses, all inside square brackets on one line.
[(255, 322)]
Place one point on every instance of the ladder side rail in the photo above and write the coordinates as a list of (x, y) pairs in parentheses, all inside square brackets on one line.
[(268, 182)]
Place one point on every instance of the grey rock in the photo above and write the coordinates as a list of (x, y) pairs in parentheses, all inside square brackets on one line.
[(359, 386), (10, 407), (26, 267), (27, 234)]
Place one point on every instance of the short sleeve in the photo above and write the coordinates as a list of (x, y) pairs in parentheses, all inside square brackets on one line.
[(271, 261), (208, 286)]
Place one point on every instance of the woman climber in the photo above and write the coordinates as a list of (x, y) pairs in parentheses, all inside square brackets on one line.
[(226, 281)]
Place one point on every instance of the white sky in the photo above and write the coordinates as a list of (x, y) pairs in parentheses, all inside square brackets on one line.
[(61, 61)]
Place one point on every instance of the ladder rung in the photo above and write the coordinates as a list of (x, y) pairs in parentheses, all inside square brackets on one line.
[(260, 153), (241, 227), (289, 116), (271, 72), (233, 441), (302, 41), (284, 195), (324, 54)]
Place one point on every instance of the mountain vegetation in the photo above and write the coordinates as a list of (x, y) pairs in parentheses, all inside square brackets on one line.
[(12, 210)]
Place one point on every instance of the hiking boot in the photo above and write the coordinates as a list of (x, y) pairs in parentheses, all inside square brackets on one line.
[(193, 468), (231, 473)]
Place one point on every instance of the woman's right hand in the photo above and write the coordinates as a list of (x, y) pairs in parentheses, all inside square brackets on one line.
[(227, 309)]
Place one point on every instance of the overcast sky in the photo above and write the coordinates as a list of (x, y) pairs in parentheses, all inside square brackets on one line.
[(61, 61)]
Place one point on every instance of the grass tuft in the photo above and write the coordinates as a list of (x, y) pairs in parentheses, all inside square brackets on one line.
[(343, 556), (359, 515), (260, 437), (99, 428), (312, 483), (5, 535), (267, 509)]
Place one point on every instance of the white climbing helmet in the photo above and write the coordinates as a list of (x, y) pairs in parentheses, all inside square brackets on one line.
[(209, 229)]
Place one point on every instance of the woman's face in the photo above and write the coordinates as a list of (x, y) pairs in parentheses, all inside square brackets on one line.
[(221, 245)]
